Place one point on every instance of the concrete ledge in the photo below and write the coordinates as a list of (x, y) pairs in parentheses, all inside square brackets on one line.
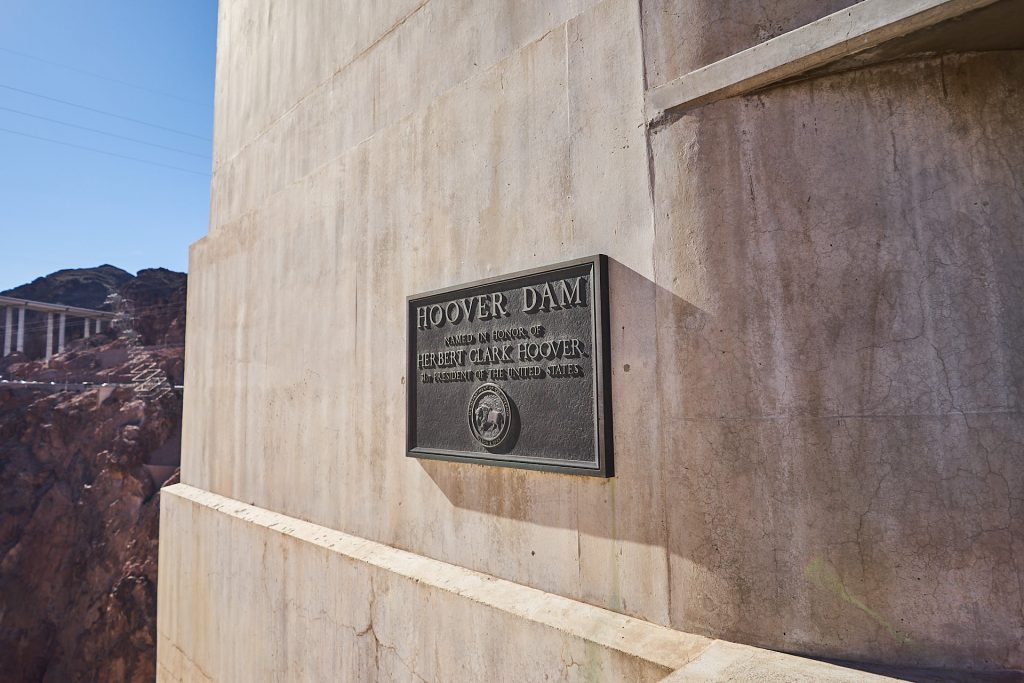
[(723, 661), (692, 657), (637, 638), (864, 26)]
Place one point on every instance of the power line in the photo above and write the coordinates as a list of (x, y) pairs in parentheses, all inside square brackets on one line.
[(105, 78), (103, 132), (100, 151), (101, 111)]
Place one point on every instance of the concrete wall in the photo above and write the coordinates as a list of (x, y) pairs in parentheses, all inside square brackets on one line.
[(840, 355), (817, 360), (307, 604)]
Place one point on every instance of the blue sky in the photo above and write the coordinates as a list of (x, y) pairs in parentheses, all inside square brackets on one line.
[(65, 207)]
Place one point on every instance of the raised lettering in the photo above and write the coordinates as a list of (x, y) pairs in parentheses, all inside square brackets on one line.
[(468, 306), (547, 299), (529, 300), (452, 312), (438, 319), (483, 307), (570, 295), (498, 305)]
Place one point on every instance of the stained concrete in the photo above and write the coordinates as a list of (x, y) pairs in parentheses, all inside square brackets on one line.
[(373, 628), (816, 351), (333, 607), (863, 35), (845, 351), (698, 32)]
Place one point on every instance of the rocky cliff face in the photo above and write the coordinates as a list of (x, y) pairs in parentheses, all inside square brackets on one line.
[(80, 474), (156, 298)]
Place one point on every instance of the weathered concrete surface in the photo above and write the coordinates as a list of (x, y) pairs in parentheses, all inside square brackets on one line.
[(696, 33), (862, 35), (534, 159), (732, 663), (817, 362), (242, 572), (840, 326), (325, 605)]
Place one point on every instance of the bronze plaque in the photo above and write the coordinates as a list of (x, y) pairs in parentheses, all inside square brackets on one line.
[(514, 371)]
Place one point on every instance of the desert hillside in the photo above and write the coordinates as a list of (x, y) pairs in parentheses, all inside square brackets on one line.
[(81, 466)]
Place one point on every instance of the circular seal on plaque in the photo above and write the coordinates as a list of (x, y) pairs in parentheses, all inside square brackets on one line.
[(490, 415)]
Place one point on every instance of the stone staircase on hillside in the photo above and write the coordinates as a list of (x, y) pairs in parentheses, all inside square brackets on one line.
[(150, 382)]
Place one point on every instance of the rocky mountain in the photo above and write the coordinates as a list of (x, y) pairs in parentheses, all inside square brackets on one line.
[(156, 297), (80, 477), (84, 287)]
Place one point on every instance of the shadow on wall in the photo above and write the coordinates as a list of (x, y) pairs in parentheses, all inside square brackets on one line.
[(540, 498), (795, 531), (718, 505), (826, 450)]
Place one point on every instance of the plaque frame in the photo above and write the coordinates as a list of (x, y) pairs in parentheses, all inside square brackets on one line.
[(602, 403)]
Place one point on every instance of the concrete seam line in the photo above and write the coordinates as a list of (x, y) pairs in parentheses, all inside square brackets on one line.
[(644, 640), (857, 28)]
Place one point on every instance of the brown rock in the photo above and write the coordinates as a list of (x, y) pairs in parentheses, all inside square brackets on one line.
[(79, 511)]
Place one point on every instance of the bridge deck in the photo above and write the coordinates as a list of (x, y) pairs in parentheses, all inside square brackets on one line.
[(55, 308)]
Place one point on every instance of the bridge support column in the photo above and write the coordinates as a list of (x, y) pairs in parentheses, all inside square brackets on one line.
[(49, 335), (87, 321), (21, 330), (8, 319), (60, 335)]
